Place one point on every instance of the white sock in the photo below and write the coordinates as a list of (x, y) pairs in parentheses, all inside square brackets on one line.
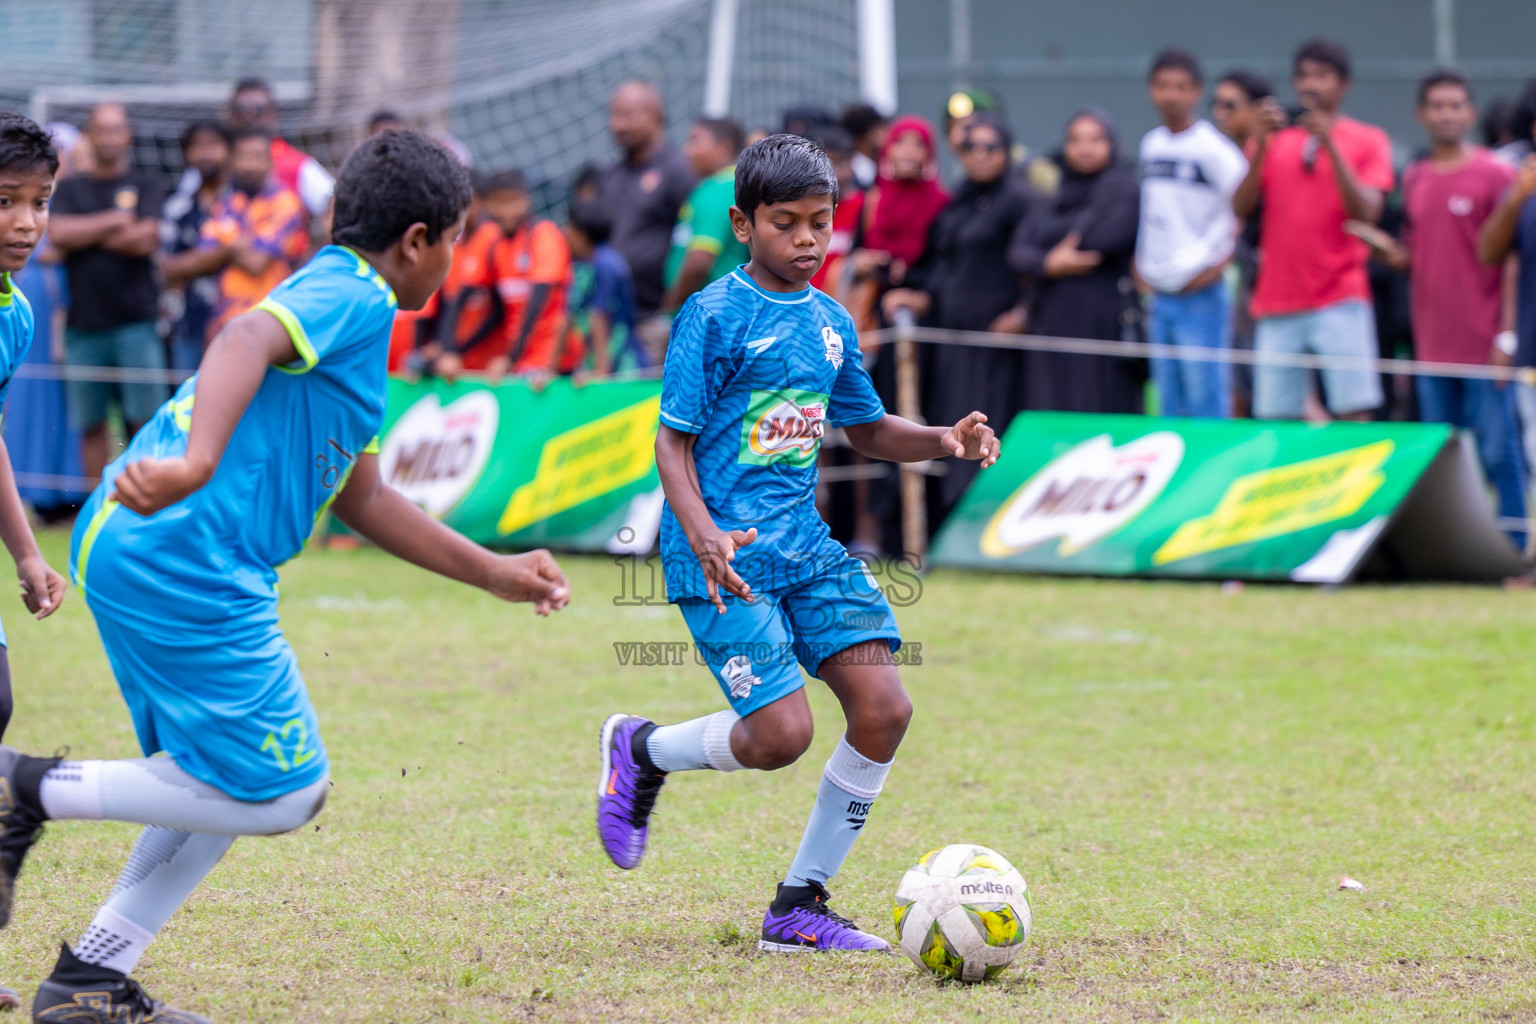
[(695, 744), (113, 941), (72, 790)]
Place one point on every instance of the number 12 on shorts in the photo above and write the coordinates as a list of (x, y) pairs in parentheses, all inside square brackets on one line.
[(294, 736)]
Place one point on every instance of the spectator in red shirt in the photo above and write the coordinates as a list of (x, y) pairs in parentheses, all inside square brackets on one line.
[(1457, 300), (1313, 293)]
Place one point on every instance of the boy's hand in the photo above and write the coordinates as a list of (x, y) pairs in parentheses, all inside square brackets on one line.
[(533, 576), (716, 553), (149, 485), (42, 589), (971, 438)]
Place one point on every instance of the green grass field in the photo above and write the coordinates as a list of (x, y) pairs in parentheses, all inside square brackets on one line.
[(1182, 776)]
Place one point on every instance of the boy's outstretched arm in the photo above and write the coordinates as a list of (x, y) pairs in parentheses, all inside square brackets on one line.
[(900, 440), (231, 372), (41, 587), (384, 516), (715, 548)]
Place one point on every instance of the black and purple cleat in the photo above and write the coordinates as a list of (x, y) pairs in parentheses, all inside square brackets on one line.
[(626, 790)]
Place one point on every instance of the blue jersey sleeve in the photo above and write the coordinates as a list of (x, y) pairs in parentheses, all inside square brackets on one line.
[(695, 369), (328, 311), (853, 399), (16, 347)]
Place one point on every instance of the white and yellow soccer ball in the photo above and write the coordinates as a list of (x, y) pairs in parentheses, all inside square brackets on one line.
[(962, 912)]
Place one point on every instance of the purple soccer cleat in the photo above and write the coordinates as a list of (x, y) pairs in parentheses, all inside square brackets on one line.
[(799, 921), (626, 790)]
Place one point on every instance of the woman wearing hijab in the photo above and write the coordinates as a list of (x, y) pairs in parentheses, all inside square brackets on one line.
[(963, 282), (1076, 249), (898, 210)]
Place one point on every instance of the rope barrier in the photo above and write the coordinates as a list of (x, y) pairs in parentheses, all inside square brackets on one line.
[(1147, 350)]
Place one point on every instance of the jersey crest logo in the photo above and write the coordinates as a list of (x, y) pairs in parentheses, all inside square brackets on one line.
[(738, 675), (833, 343)]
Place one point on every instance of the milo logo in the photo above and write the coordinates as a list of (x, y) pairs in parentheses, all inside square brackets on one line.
[(783, 426)]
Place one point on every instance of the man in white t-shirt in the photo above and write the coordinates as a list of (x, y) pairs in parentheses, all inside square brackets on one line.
[(1189, 171)]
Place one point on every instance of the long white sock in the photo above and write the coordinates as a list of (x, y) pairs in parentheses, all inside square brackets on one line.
[(695, 744), (163, 869), (849, 786), (155, 791)]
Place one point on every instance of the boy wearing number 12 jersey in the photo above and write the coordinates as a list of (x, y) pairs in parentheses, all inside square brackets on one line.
[(759, 366), (177, 552)]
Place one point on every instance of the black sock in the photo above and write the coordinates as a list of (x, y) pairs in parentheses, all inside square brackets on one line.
[(71, 970), (642, 753), (28, 779)]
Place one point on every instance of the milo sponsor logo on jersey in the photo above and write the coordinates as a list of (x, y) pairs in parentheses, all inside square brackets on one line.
[(783, 426)]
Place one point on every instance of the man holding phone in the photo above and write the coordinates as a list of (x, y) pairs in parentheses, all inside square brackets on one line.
[(1313, 294)]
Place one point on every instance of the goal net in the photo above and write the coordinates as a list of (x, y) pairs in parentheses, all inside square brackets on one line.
[(519, 83)]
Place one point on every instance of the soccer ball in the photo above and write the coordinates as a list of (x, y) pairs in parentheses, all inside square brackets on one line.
[(962, 912)]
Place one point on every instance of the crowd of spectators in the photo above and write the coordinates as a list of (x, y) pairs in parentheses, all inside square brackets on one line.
[(1285, 229)]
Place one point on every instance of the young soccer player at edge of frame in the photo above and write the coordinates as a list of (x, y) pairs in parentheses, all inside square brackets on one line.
[(28, 162), (176, 555), (759, 365)]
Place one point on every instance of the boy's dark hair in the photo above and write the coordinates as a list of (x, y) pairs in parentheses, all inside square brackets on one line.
[(587, 176), (1254, 85), (1323, 51), (24, 146), (726, 130), (591, 219), (245, 134), (1443, 76), (859, 118), (1174, 58), (384, 116), (253, 85), (781, 169), (509, 180), (395, 180), (207, 126)]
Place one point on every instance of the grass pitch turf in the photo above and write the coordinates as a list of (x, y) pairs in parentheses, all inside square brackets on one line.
[(1182, 776)]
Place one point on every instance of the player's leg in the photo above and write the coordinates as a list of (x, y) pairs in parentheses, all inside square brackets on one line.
[(228, 707), (845, 633), (749, 651)]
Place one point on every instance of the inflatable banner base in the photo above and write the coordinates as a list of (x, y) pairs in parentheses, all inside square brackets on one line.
[(1229, 499)]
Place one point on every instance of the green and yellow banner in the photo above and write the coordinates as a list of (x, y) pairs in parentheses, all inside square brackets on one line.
[(565, 467), (1137, 496)]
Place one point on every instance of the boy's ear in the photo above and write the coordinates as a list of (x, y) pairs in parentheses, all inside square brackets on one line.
[(741, 226), (414, 242)]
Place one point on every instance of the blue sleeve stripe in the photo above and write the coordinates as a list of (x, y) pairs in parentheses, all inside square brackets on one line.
[(683, 425)]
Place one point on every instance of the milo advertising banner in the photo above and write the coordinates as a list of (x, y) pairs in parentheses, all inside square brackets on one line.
[(565, 467), (1228, 499)]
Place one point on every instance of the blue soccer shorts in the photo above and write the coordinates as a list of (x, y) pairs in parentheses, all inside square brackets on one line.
[(756, 650), (209, 681)]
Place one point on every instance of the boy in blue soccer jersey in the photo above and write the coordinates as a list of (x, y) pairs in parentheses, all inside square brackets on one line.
[(177, 551), (28, 163), (759, 365)]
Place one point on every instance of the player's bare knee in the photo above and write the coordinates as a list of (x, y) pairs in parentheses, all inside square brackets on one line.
[(780, 748)]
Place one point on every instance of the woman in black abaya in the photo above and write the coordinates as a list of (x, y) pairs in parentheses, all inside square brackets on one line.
[(1076, 249), (963, 282)]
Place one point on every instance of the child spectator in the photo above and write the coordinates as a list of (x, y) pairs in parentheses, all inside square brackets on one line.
[(256, 235), (602, 299), (530, 266)]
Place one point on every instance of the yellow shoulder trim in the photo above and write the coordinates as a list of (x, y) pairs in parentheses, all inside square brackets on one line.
[(301, 343)]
